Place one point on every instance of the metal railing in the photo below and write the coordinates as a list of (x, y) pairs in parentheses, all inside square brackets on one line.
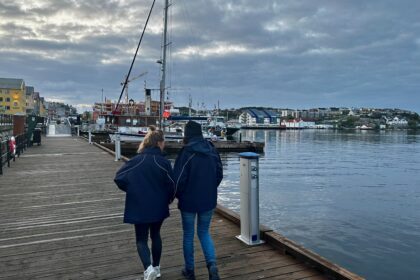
[(21, 144), (4, 154)]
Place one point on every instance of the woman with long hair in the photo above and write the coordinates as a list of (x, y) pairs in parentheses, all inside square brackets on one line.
[(147, 180)]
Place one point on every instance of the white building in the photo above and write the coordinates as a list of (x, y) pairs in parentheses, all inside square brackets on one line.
[(396, 122), (286, 113), (297, 124)]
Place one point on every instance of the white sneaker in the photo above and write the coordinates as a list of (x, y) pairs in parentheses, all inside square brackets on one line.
[(157, 269), (150, 273)]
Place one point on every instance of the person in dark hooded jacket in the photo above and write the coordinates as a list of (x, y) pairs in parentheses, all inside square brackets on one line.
[(148, 182), (198, 171)]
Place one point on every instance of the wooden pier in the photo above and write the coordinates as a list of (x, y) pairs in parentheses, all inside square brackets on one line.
[(61, 218)]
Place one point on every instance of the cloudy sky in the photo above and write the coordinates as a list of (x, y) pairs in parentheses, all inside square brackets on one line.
[(289, 53)]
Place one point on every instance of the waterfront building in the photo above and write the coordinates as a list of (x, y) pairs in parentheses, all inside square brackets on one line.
[(334, 111), (322, 112), (58, 109), (286, 113), (12, 96), (254, 116), (30, 92), (39, 105), (297, 124), (272, 117)]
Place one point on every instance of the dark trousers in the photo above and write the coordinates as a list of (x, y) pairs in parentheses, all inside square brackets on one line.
[(142, 235)]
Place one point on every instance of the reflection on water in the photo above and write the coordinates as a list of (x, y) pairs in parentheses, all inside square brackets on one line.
[(352, 197)]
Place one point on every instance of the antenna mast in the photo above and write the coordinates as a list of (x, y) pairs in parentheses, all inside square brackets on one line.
[(163, 68)]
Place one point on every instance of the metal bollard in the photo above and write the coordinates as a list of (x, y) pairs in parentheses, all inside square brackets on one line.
[(78, 131), (90, 137), (249, 186), (117, 147)]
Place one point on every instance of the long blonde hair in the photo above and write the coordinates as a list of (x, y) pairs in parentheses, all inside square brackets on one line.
[(152, 138)]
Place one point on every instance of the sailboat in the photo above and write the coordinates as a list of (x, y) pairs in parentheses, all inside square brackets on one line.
[(133, 127), (127, 119)]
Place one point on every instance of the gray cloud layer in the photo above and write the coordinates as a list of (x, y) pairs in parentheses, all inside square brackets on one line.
[(275, 53)]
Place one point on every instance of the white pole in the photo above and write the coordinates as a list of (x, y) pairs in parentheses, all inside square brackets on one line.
[(249, 187), (90, 136), (117, 147), (163, 66)]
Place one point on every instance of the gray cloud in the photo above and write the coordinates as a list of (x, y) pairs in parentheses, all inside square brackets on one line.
[(273, 53)]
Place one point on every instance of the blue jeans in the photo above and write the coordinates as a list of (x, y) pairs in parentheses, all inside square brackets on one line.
[(203, 224)]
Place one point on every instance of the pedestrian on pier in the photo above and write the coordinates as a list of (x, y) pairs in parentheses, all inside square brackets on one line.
[(147, 180), (198, 171)]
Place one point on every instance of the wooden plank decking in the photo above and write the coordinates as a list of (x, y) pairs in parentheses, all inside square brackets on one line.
[(61, 218)]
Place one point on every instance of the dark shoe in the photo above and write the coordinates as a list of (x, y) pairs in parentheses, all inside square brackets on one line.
[(188, 274), (213, 272)]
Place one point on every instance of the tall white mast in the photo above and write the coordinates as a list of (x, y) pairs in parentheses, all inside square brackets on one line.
[(163, 67)]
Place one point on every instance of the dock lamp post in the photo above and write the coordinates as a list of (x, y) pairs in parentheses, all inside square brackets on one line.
[(249, 188)]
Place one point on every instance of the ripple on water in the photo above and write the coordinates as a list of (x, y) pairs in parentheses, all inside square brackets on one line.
[(351, 197)]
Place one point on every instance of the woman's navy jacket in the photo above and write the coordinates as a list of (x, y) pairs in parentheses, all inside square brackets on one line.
[(147, 180), (198, 172)]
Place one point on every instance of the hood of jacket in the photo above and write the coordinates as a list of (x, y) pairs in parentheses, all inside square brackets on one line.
[(198, 145)]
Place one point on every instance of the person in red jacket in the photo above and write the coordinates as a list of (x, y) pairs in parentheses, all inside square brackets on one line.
[(12, 146), (147, 181)]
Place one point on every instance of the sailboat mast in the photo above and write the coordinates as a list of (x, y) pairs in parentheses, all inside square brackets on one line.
[(163, 66)]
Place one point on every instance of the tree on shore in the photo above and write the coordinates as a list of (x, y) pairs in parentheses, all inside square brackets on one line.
[(349, 122)]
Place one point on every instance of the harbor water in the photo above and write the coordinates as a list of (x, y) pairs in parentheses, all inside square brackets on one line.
[(352, 197)]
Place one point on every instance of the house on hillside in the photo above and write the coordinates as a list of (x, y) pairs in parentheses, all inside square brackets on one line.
[(396, 122)]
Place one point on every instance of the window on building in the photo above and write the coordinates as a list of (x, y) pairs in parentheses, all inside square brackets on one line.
[(7, 99), (7, 107), (15, 104), (1, 99)]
